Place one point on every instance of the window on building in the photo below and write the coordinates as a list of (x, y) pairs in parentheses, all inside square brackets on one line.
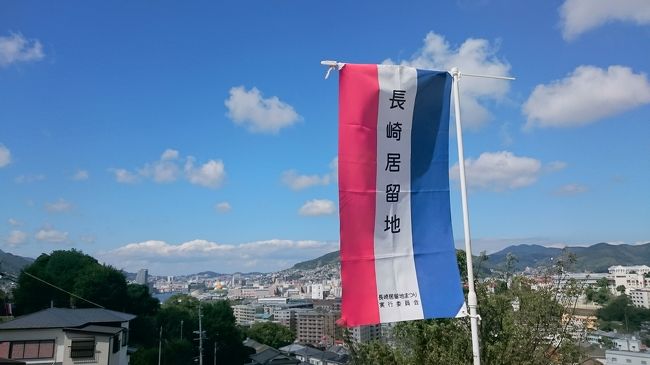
[(4, 349), (46, 349), (82, 348), (43, 349), (125, 337), (116, 343)]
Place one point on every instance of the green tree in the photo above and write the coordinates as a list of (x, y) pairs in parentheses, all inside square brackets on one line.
[(520, 324), (218, 323), (61, 268), (220, 327), (139, 300), (621, 309), (272, 334), (103, 285)]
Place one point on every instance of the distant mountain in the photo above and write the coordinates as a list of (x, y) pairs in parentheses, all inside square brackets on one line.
[(595, 258), (12, 264), (329, 258), (212, 274)]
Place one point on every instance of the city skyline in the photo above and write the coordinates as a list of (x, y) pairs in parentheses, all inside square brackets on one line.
[(183, 138)]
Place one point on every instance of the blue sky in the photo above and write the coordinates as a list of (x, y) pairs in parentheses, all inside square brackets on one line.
[(190, 136)]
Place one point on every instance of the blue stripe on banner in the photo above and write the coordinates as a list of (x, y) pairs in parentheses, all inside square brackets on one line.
[(433, 243)]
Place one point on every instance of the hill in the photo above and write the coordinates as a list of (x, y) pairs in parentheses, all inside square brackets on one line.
[(329, 258), (595, 258), (12, 264)]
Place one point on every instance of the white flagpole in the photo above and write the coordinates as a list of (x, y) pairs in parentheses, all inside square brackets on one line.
[(471, 296)]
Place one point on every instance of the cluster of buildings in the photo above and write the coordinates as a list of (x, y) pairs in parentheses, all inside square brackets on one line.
[(636, 280), (308, 302)]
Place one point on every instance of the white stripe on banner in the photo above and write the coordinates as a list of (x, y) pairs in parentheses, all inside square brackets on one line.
[(397, 284)]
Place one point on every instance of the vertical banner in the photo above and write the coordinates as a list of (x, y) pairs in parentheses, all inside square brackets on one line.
[(398, 260)]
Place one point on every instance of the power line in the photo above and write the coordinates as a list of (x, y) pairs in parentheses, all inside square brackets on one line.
[(63, 290)]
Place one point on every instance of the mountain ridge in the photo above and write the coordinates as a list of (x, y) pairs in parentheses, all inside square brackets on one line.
[(595, 258), (13, 264)]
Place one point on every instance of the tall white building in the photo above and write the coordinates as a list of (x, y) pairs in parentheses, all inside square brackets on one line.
[(142, 277), (640, 297), (363, 334), (632, 277), (317, 291), (244, 313)]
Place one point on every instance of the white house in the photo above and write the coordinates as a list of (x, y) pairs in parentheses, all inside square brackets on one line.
[(63, 336), (627, 358)]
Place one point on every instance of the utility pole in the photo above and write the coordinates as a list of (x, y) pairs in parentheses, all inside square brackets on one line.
[(201, 335), (181, 330), (160, 346), (200, 338), (215, 353)]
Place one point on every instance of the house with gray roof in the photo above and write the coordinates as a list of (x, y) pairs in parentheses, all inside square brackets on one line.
[(64, 336)]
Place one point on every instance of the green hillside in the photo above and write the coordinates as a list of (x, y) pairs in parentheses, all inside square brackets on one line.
[(330, 258)]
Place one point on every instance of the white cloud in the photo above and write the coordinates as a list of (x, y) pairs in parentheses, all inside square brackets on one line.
[(589, 93), (317, 207), (59, 206), (296, 181), (28, 179), (223, 207), (499, 171), (211, 174), (80, 175), (579, 16), (476, 56), (169, 154), (571, 189), (51, 235), (5, 156), (250, 109), (13, 222), (124, 176), (169, 168), (16, 48), (16, 238), (197, 255), (164, 170)]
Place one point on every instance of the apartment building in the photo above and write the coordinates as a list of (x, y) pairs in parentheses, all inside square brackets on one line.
[(317, 327), (244, 313), (640, 297), (363, 334)]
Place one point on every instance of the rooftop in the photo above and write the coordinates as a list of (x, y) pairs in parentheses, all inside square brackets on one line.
[(66, 317)]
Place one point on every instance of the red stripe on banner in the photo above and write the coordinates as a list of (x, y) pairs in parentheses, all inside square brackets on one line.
[(358, 109)]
